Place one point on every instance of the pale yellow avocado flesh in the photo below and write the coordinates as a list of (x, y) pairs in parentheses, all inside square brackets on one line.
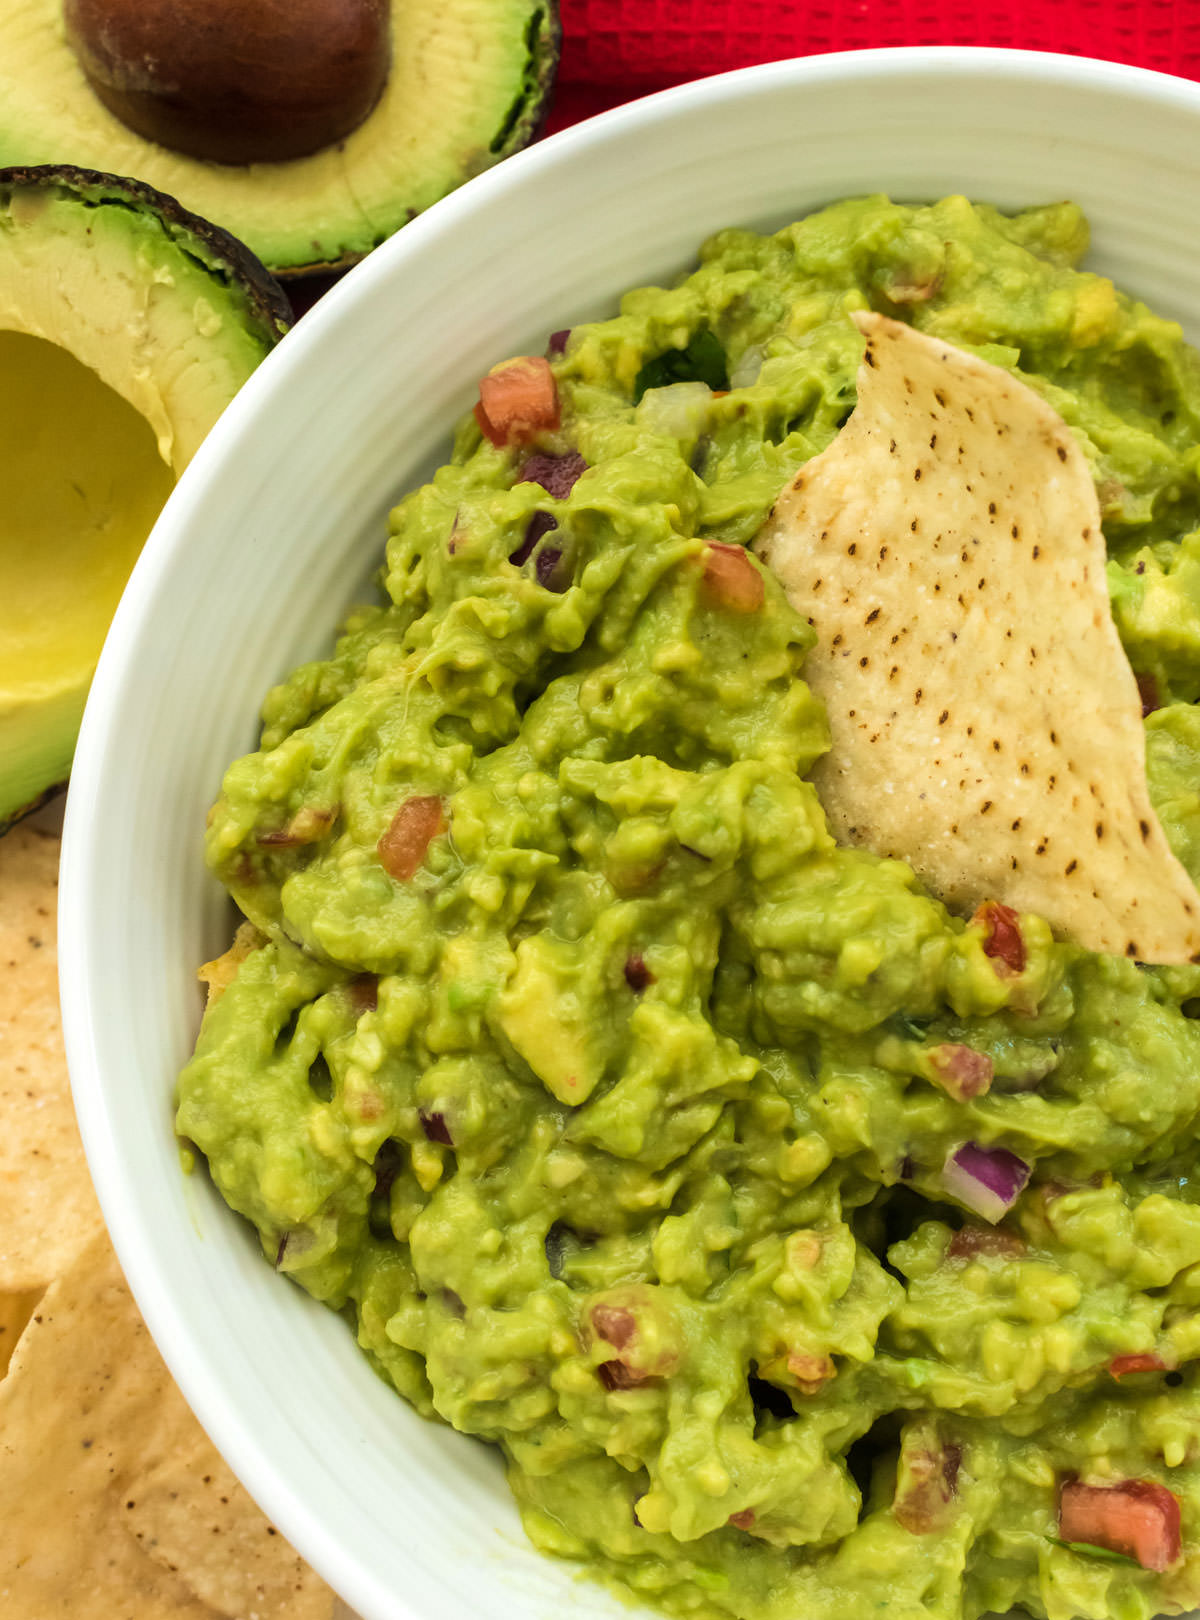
[(87, 485)]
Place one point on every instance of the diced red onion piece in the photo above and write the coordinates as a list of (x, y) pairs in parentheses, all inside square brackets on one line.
[(558, 340), (557, 475), (553, 568), (637, 975), (744, 371), (987, 1180), (539, 524), (435, 1128), (1147, 687), (616, 1375)]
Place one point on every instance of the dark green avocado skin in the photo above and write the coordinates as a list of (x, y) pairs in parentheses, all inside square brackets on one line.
[(222, 255), (531, 109), (8, 822)]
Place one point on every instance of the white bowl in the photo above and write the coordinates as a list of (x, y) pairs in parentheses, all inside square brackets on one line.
[(277, 522)]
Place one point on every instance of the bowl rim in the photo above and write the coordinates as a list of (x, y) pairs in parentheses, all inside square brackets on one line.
[(81, 932)]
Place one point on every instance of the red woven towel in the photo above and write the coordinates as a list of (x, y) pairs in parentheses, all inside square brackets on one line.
[(639, 45)]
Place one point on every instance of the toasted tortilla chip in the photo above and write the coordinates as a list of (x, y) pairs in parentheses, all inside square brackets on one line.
[(112, 1501), (48, 1212), (191, 1516), (216, 976), (986, 725)]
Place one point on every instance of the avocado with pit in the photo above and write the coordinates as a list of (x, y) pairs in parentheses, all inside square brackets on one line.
[(126, 327), (443, 92)]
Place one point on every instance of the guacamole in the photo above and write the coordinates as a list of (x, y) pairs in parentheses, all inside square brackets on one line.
[(637, 1127)]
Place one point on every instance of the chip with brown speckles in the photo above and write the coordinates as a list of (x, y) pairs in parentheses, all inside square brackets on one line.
[(48, 1211), (113, 1501), (1000, 751)]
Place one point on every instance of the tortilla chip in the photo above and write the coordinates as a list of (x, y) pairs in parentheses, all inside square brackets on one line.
[(109, 1492), (216, 976), (191, 1515), (986, 725), (48, 1212)]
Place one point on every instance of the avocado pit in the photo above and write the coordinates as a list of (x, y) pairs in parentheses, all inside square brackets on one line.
[(263, 81)]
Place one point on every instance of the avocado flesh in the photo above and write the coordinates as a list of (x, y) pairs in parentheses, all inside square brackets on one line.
[(469, 84), (126, 327), (91, 484)]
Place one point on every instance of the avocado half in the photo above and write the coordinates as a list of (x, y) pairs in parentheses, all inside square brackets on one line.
[(126, 327), (469, 84)]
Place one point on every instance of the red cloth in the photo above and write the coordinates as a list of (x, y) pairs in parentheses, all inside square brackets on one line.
[(616, 49)]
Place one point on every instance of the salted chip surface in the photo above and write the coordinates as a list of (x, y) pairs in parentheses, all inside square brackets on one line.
[(48, 1211), (986, 725), (113, 1502)]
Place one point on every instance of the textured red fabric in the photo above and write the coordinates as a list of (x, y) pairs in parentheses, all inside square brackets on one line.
[(633, 46)]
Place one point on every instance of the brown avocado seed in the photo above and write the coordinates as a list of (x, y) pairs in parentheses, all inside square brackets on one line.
[(234, 81)]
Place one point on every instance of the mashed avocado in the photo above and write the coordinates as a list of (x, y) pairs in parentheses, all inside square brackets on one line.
[(615, 1104)]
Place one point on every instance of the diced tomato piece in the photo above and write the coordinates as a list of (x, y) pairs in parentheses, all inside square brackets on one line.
[(926, 1486), (517, 400), (961, 1070), (1137, 1517), (731, 578), (1147, 1361), (969, 1241), (1003, 942), (810, 1371), (743, 1520), (403, 847)]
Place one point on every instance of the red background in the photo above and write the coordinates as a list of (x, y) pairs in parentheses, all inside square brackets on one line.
[(616, 49)]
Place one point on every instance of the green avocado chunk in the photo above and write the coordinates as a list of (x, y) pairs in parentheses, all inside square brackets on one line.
[(126, 327), (625, 1121), (469, 83)]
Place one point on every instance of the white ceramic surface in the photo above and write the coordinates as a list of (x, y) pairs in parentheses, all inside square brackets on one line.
[(275, 524)]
